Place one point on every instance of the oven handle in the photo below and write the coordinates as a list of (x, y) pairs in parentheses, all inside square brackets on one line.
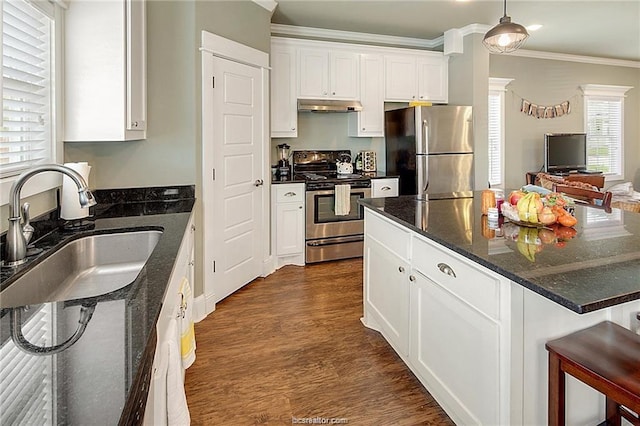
[(336, 240)]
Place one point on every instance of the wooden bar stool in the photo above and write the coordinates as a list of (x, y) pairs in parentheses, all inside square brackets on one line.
[(605, 357)]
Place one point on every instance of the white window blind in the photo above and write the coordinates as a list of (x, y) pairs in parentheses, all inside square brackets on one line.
[(26, 135), (604, 134), (495, 139), (604, 125), (496, 120), (27, 381)]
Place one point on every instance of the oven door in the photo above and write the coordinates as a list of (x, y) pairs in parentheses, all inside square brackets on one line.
[(322, 222)]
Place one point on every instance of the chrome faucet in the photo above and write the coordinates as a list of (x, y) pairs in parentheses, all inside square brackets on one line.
[(18, 235)]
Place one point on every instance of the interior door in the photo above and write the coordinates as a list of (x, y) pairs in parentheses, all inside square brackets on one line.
[(238, 173)]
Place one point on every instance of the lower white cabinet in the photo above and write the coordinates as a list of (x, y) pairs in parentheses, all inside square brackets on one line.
[(386, 187), (156, 408), (288, 223), (447, 322), (474, 339)]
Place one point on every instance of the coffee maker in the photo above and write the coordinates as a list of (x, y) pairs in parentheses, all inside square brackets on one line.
[(284, 168)]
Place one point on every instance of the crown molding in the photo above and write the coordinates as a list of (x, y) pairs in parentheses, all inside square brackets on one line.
[(270, 5), (378, 39), (536, 54), (354, 37), (605, 90)]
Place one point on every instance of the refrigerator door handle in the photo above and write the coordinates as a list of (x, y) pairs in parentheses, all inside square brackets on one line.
[(423, 146), (422, 166)]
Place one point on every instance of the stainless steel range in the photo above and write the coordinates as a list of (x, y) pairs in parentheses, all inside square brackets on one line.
[(330, 236)]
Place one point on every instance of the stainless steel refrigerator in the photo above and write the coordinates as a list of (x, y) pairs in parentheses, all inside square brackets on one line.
[(431, 150)]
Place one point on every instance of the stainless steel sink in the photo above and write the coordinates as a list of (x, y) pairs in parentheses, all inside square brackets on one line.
[(86, 267)]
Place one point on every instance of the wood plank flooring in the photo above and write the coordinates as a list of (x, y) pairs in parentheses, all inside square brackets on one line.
[(292, 346)]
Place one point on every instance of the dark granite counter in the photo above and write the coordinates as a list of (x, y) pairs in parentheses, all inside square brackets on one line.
[(596, 268), (99, 378)]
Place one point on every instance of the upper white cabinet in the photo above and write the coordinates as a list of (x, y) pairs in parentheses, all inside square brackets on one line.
[(370, 121), (105, 71), (416, 77), (284, 111), (325, 73)]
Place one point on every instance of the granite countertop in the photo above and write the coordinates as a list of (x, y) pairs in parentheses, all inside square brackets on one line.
[(93, 380), (596, 268), (275, 180)]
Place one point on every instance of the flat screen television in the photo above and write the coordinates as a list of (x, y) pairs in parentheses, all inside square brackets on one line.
[(565, 152)]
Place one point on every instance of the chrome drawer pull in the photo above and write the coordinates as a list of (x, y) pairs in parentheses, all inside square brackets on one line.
[(446, 269), (290, 194), (385, 188)]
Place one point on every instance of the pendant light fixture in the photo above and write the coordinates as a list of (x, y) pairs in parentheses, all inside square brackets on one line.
[(505, 37)]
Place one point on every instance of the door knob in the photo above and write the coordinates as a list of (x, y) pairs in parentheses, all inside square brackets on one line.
[(258, 182)]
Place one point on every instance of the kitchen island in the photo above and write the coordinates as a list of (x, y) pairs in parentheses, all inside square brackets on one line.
[(104, 377), (469, 312)]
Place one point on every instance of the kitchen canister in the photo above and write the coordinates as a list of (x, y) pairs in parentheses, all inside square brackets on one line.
[(368, 161)]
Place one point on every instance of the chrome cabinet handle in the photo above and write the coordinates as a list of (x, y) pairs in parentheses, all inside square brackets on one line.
[(446, 269), (258, 182), (400, 268), (290, 194), (385, 188), (412, 278)]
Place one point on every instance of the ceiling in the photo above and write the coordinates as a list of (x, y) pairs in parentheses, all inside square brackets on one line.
[(602, 28)]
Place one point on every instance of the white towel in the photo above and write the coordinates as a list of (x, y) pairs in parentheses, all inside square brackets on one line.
[(342, 205), (169, 396), (187, 332)]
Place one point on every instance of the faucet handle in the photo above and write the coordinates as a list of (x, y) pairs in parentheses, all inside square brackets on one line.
[(27, 229)]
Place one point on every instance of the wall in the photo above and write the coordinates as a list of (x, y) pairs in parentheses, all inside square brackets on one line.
[(469, 85), (549, 82)]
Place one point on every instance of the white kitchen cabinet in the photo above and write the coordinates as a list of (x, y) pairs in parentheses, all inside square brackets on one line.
[(458, 329), (171, 306), (326, 73), (288, 223), (105, 71), (386, 293), (416, 77), (370, 121), (386, 187), (284, 110)]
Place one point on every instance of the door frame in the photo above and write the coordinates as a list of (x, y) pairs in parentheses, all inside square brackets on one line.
[(217, 46)]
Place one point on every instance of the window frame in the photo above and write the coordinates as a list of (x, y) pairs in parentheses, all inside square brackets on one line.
[(497, 87), (47, 181), (611, 93)]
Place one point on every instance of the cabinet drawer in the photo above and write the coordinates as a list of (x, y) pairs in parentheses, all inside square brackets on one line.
[(289, 193), (471, 284), (393, 237), (384, 188)]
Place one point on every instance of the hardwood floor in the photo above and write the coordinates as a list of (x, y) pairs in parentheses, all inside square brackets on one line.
[(292, 346)]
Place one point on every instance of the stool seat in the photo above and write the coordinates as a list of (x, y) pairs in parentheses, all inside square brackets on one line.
[(606, 357)]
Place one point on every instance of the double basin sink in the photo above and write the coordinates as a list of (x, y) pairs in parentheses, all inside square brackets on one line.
[(86, 267)]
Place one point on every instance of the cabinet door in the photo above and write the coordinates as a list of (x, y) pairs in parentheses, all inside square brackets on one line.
[(400, 78), (284, 111), (290, 228), (313, 73), (432, 79), (370, 121), (386, 294), (455, 352), (344, 75), (136, 65)]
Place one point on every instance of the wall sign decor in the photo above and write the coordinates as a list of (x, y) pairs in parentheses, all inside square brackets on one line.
[(540, 111)]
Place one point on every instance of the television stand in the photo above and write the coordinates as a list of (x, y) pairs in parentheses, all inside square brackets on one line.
[(596, 180)]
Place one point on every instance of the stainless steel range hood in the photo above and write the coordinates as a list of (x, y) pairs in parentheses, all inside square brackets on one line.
[(328, 105)]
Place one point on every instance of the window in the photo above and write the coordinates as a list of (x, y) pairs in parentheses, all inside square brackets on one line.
[(497, 88), (27, 132), (604, 125)]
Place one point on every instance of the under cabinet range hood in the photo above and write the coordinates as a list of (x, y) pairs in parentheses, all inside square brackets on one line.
[(328, 105)]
